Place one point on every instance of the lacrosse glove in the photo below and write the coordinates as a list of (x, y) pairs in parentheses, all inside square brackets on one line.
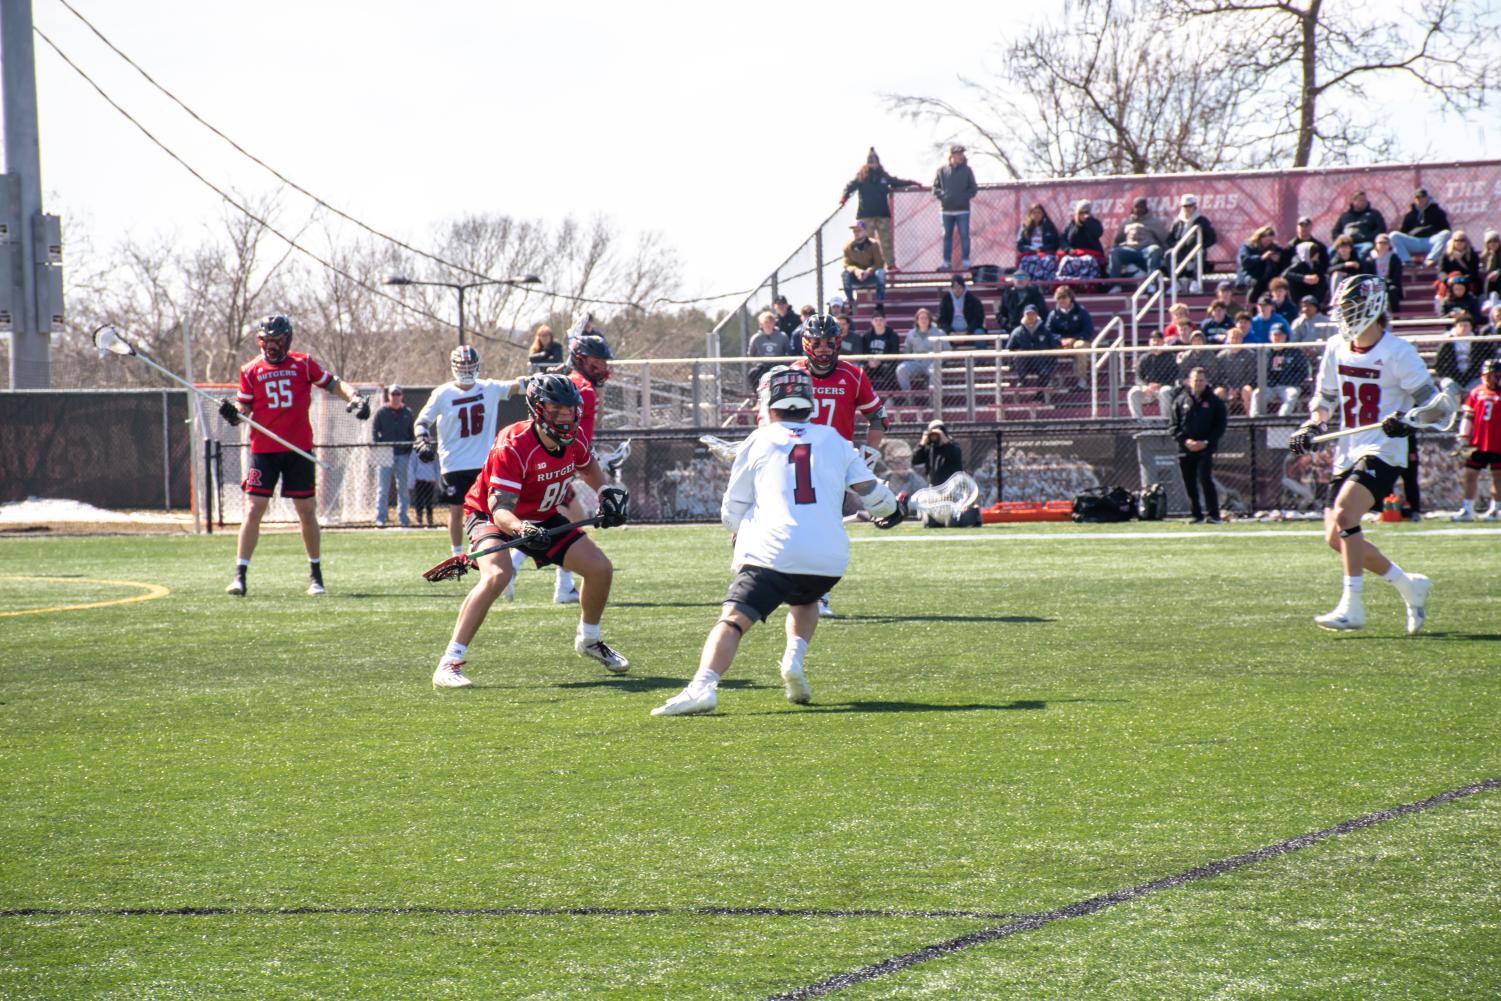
[(427, 449), (614, 507), (1395, 427), (1301, 440), (360, 407), (230, 413), (535, 540)]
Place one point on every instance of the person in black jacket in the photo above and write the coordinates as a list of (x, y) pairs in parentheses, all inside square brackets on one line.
[(1037, 244), (788, 319), (872, 188), (1425, 229), (1189, 218), (939, 455), (1460, 359), (1360, 222), (392, 427), (961, 312), (1008, 313), (1198, 424), (546, 351)]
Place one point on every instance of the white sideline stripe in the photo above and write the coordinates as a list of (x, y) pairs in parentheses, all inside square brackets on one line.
[(1086, 536)]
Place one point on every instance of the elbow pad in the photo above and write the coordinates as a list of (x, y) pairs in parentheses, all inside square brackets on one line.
[(878, 419), (1321, 401), (880, 502)]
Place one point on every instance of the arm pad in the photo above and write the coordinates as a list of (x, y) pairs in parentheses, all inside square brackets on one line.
[(880, 501)]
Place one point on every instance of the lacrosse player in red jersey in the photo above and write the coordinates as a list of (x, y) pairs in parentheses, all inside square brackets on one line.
[(1368, 372), (518, 495), (1480, 430), (276, 391), (587, 367)]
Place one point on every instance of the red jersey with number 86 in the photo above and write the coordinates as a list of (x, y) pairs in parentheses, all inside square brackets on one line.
[(279, 398), (1484, 407), (519, 464)]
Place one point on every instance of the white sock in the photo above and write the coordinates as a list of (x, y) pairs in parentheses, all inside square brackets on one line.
[(455, 651), (704, 678), (793, 655), (242, 563), (458, 550), (314, 559), (518, 557), (589, 630), (565, 580), (1353, 586), (1396, 576)]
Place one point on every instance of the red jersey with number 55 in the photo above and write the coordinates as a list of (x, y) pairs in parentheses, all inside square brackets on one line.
[(279, 398), (519, 464), (1484, 407), (838, 395)]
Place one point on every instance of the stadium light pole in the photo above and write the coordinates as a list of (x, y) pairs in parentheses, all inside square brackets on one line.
[(462, 287)]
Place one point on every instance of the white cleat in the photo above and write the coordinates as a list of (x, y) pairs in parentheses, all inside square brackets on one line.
[(688, 702), (568, 597), (1462, 515), (1491, 515), (796, 684), (597, 650), (315, 588), (1416, 599), (509, 594), (1342, 619), (236, 587), (449, 675), (824, 611)]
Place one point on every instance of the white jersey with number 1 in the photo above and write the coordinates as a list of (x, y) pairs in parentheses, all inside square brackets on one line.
[(465, 420), (785, 499), (1371, 384)]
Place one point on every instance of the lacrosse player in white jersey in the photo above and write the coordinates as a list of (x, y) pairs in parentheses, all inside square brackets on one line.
[(784, 505), (463, 414), (1372, 378)]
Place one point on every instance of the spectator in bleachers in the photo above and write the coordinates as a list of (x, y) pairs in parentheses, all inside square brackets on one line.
[(1188, 357), (872, 188), (1081, 251), (864, 264), (1139, 242), (1224, 291), (787, 318), (1490, 268), (880, 339), (1384, 263), (1459, 255), (1188, 218), (1425, 230), (1493, 329), (1235, 369), (954, 186), (1304, 234), (961, 312), (1218, 323), (545, 351), (1008, 313), (1460, 359), (1286, 371), (1458, 296), (1282, 301), (1343, 263), (1037, 245), (768, 342), (1156, 379), (1180, 324), (1361, 222), (1310, 324), (804, 314), (1030, 335), (850, 341), (1198, 423), (1306, 273), (918, 342), (1068, 321), (1265, 321), (839, 304), (1260, 260)]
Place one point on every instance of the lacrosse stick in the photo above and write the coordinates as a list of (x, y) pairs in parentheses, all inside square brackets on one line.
[(612, 460), (109, 340), (457, 566), (1451, 392), (945, 502), (723, 450)]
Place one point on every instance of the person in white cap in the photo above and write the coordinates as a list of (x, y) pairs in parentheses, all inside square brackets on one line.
[(1189, 218)]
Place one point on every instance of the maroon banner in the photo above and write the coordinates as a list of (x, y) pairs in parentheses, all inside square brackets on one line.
[(1236, 203)]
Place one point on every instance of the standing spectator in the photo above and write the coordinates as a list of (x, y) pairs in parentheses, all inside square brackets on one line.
[(1217, 324), (1286, 371), (1138, 242), (1037, 245), (1458, 255), (1343, 264), (1490, 267), (954, 186), (1189, 218), (1306, 274), (937, 454), (545, 351), (1081, 252), (1458, 296), (880, 340), (1361, 222), (1384, 263), (1265, 321), (1156, 379), (1032, 336), (918, 342), (1425, 230), (1068, 322), (393, 428), (424, 489), (864, 264), (768, 342), (1460, 359), (1008, 313), (1282, 302), (872, 189), (1235, 375), (1198, 423), (1310, 324), (961, 312), (1259, 261), (788, 319)]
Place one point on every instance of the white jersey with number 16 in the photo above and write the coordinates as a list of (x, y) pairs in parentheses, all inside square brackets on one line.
[(785, 500), (1368, 386), (465, 421)]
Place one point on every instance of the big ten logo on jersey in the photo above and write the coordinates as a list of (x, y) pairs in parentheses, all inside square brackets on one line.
[(557, 482), (470, 413)]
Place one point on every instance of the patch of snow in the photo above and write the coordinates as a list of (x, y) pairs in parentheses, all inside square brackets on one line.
[(35, 510)]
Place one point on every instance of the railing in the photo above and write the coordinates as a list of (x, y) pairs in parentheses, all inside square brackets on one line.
[(1192, 244), (1109, 359), (1152, 284)]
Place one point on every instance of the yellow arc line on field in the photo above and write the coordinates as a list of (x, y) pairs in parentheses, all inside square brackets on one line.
[(152, 591)]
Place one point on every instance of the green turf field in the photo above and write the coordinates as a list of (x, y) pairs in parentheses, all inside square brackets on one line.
[(264, 798)]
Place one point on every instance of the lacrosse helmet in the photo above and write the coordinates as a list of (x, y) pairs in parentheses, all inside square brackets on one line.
[(819, 337), (274, 335), (1358, 304), (551, 388), (589, 355), (789, 389), (1490, 374), (464, 363)]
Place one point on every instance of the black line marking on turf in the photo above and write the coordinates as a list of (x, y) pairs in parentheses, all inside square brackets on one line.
[(1031, 922), (502, 912)]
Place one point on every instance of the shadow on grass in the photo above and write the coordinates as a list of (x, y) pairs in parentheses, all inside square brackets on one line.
[(842, 617), (628, 683), (1467, 637), (895, 706)]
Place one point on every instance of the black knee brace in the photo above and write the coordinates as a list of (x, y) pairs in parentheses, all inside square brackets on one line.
[(1345, 533), (733, 625)]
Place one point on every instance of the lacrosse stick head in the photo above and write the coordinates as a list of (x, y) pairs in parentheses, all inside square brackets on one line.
[(612, 460), (109, 340), (946, 501), (1440, 413), (722, 450), (450, 569)]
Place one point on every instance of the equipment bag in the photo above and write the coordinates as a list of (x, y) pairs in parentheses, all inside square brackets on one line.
[(1151, 503), (1104, 505)]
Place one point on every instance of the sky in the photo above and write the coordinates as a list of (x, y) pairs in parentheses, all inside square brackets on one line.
[(731, 129)]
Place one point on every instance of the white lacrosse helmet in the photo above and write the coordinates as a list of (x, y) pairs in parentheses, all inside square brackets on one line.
[(464, 361), (1359, 303)]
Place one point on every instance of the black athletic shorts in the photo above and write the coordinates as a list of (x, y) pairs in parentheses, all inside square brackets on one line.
[(1480, 460), (757, 591), (298, 476), (482, 530), (1376, 476), (457, 484)]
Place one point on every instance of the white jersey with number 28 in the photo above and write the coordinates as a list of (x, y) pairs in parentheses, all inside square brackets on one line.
[(1369, 386), (785, 500)]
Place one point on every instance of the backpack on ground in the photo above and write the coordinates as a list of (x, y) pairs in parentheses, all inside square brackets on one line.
[(1104, 505)]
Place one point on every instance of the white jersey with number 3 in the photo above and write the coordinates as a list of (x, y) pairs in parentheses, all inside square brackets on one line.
[(1370, 385), (465, 420), (785, 500)]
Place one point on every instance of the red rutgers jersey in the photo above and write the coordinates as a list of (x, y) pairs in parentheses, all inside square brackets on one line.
[(1484, 407), (838, 395), (591, 403), (279, 397), (520, 465)]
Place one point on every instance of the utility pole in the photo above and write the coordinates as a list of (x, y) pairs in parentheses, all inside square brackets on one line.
[(31, 303)]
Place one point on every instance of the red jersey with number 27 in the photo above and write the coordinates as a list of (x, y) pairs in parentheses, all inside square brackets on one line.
[(279, 398), (1484, 407), (838, 395), (519, 464)]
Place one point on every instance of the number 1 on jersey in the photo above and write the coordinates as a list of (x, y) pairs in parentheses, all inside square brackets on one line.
[(801, 458)]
